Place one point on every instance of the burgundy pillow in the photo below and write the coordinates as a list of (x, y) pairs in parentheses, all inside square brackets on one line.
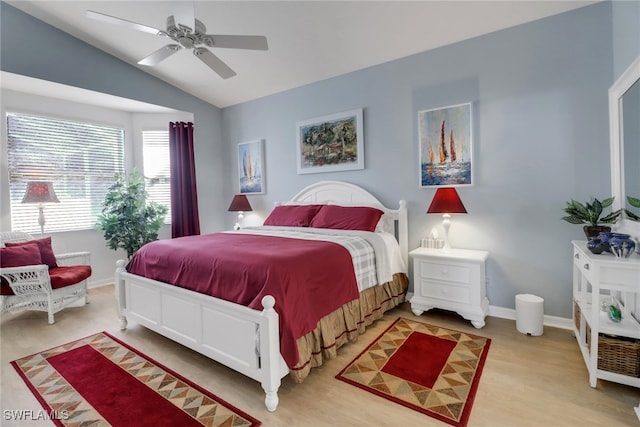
[(347, 218), (292, 215), (19, 256), (46, 251)]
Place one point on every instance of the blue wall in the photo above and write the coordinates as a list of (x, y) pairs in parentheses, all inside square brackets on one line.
[(539, 94), (626, 34)]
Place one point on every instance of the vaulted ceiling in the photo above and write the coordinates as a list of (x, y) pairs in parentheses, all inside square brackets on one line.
[(308, 41)]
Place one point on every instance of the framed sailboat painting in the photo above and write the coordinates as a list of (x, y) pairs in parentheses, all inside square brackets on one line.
[(446, 149), (251, 167)]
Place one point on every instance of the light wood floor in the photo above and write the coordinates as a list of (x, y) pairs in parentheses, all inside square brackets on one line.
[(527, 381)]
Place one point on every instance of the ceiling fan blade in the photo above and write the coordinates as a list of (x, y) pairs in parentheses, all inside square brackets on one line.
[(239, 42), (183, 13), (214, 62), (160, 54), (123, 22)]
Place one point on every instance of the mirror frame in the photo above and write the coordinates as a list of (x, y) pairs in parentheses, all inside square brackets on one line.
[(616, 91)]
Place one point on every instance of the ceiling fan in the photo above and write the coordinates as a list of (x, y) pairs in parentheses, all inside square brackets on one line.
[(188, 33)]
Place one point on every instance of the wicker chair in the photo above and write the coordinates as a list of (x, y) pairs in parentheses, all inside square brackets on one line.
[(32, 287)]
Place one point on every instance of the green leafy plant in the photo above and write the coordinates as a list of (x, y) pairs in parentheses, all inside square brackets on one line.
[(590, 213), (128, 220), (635, 202)]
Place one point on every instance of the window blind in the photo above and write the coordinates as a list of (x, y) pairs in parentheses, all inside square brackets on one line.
[(157, 169), (80, 159)]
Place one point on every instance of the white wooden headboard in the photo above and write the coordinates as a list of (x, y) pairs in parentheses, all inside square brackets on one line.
[(343, 193)]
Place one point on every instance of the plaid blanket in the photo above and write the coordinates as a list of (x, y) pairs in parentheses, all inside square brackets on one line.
[(362, 252)]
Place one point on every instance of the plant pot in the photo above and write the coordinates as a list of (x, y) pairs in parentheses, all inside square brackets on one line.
[(592, 231)]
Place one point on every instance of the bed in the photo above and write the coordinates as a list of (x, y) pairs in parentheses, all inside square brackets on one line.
[(247, 336)]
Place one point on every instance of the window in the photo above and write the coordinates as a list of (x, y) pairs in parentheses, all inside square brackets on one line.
[(157, 170), (80, 159)]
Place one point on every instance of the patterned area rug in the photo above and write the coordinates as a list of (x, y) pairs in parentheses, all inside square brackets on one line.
[(424, 367), (101, 381)]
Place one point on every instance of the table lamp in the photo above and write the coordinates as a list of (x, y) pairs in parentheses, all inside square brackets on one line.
[(40, 192), (239, 204), (446, 201)]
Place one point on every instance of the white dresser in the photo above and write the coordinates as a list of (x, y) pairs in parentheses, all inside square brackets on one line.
[(595, 278), (454, 280)]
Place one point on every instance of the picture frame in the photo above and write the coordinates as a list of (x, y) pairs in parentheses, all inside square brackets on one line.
[(446, 146), (330, 143), (251, 176)]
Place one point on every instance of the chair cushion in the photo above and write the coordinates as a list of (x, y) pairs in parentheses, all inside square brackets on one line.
[(60, 277), (46, 251), (67, 276)]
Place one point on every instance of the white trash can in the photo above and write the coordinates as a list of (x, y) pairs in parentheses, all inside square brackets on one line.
[(529, 314)]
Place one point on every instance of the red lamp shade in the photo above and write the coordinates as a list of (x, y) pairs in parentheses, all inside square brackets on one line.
[(40, 192), (446, 200), (240, 203)]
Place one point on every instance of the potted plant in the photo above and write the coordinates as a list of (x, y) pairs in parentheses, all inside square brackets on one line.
[(592, 215), (635, 202), (128, 220)]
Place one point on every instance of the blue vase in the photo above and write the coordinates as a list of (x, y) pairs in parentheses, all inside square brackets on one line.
[(596, 245), (606, 237), (622, 247)]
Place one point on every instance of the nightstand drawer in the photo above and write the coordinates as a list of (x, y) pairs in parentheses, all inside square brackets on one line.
[(446, 292), (450, 280), (443, 271)]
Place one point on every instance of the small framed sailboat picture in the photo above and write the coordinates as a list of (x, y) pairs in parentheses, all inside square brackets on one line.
[(251, 167), (446, 149)]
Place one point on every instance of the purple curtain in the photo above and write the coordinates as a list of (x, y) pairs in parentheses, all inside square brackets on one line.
[(184, 198)]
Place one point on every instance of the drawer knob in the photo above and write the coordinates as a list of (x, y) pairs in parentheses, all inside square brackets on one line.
[(586, 266), (577, 256)]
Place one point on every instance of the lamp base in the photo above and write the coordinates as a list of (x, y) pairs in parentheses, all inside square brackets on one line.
[(446, 224), (41, 220)]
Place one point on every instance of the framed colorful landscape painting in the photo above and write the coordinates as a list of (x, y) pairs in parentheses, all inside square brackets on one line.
[(446, 148), (331, 143), (251, 167)]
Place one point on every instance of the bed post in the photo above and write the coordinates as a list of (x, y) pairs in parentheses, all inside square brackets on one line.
[(270, 352), (403, 232), (120, 295)]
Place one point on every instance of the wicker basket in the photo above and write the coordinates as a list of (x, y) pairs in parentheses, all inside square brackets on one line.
[(576, 315), (619, 354)]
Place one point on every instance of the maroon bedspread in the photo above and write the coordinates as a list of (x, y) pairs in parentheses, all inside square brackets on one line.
[(308, 279)]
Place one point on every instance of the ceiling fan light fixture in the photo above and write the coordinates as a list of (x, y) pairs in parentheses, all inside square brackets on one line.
[(186, 37)]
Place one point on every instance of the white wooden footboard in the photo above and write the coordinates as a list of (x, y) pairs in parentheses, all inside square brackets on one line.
[(239, 337)]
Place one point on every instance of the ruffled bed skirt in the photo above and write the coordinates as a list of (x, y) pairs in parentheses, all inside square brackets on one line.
[(346, 324)]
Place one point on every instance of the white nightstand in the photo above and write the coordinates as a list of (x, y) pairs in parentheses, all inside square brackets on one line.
[(452, 280)]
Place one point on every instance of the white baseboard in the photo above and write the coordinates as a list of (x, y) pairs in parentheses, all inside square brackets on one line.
[(494, 311), (99, 283), (510, 313)]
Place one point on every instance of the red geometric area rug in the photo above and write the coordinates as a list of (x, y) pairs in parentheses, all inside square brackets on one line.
[(424, 367), (101, 381)]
